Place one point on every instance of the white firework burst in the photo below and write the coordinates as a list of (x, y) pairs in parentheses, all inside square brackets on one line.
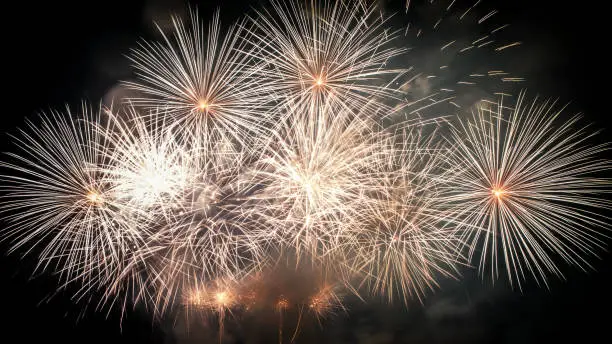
[(400, 243), (319, 51), (529, 191), (58, 197), (318, 170), (204, 80), (148, 168)]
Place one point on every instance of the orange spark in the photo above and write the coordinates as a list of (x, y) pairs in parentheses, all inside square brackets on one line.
[(94, 197), (498, 192)]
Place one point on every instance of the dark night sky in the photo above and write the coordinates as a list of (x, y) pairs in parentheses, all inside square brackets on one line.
[(60, 53)]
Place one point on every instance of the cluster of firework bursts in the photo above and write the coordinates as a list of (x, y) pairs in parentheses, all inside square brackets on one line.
[(290, 135)]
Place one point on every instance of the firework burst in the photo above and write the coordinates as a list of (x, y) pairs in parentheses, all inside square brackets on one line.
[(400, 242), (58, 197), (203, 80), (529, 189), (326, 301), (316, 52), (149, 169), (318, 170)]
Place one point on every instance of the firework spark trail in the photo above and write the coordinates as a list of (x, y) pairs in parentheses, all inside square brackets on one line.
[(204, 81), (318, 51), (445, 39), (529, 189)]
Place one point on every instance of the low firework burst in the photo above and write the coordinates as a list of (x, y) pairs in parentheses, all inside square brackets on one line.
[(400, 244), (218, 297), (326, 301), (58, 197), (192, 208), (529, 189)]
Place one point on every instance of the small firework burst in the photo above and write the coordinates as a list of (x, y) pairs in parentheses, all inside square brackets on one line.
[(326, 301), (400, 243)]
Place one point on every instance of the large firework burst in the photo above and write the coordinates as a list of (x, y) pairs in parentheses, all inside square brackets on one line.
[(529, 189), (58, 197), (318, 51), (204, 80)]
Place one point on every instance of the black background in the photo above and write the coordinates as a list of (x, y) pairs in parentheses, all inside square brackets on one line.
[(60, 53)]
